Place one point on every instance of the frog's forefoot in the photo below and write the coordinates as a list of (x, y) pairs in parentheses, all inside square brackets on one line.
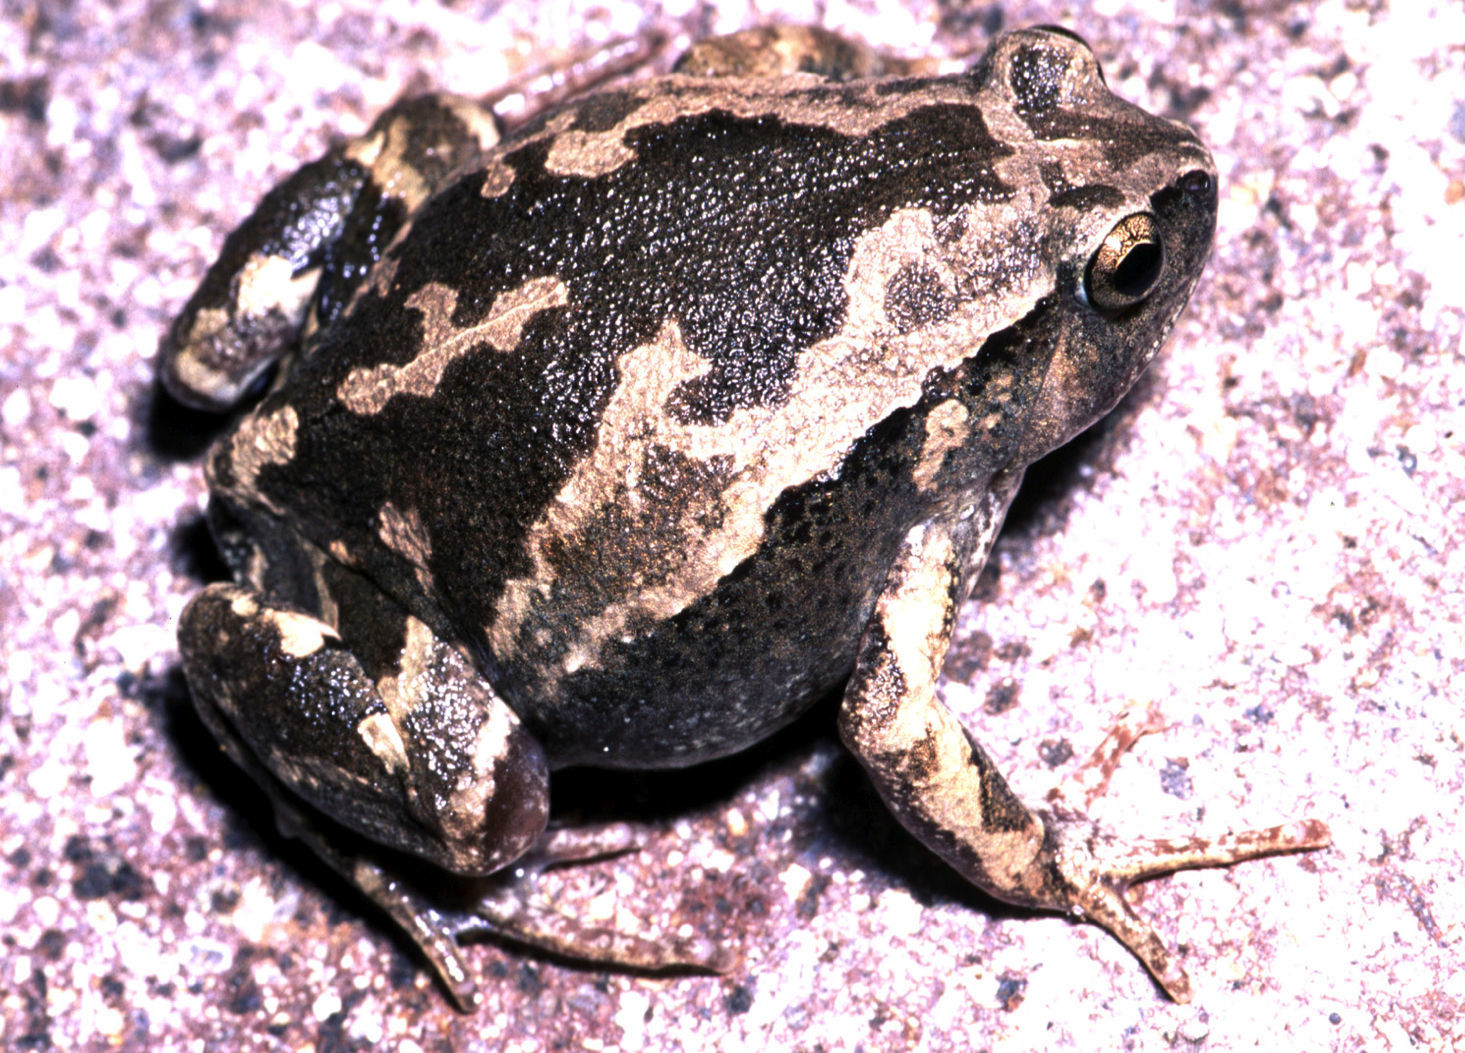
[(945, 788), (1086, 872)]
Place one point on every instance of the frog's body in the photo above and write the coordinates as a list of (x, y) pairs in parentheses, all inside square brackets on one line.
[(621, 440)]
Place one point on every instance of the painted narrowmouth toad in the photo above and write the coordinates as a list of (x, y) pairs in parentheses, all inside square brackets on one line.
[(622, 438)]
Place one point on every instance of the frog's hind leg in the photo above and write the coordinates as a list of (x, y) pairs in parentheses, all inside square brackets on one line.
[(417, 753), (780, 50), (516, 905), (422, 757), (295, 263), (944, 788), (376, 725)]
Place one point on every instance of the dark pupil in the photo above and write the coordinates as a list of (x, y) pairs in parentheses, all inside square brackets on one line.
[(1196, 182), (1138, 270)]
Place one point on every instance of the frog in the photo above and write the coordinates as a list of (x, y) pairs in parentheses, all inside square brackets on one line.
[(620, 437)]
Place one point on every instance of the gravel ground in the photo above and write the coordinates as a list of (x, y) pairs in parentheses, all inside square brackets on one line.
[(1264, 542)]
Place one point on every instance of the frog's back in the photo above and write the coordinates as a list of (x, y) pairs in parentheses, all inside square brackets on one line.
[(654, 376)]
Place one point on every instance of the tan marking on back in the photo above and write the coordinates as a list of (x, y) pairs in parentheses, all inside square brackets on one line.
[(857, 111), (845, 385), (634, 420), (262, 440), (497, 178), (367, 390), (380, 280), (404, 533)]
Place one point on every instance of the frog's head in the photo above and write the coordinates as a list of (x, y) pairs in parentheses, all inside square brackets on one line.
[(1127, 226)]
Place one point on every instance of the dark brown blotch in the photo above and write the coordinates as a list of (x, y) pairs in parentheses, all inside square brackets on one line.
[(915, 296), (1036, 78), (1087, 198), (640, 541)]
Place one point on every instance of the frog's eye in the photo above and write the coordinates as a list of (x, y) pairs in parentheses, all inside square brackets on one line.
[(1127, 266)]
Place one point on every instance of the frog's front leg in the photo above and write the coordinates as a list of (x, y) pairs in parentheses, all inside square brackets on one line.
[(944, 788), (416, 753)]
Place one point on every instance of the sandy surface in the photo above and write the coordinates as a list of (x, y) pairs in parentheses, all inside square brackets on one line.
[(1264, 542)]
